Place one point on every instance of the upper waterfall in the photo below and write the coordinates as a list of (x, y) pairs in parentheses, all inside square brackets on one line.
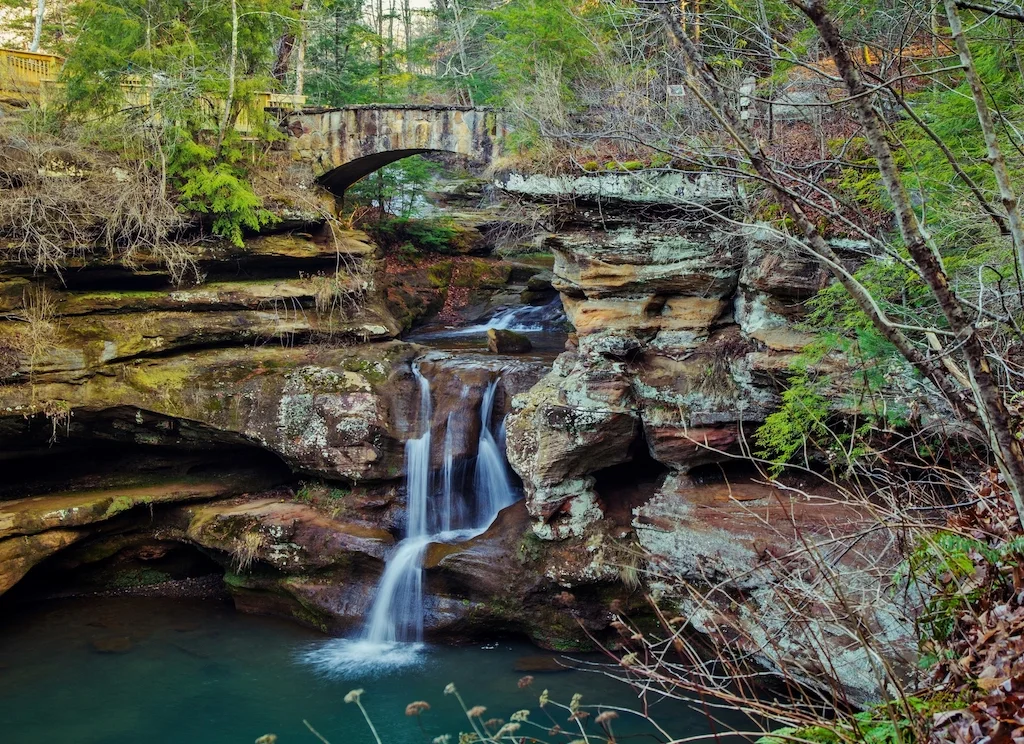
[(439, 508)]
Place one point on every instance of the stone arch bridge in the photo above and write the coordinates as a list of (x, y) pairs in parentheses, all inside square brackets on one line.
[(342, 145)]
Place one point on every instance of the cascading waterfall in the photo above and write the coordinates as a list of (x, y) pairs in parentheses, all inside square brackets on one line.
[(525, 319), (397, 611), (450, 512), (393, 633), (490, 480), (417, 463), (522, 319)]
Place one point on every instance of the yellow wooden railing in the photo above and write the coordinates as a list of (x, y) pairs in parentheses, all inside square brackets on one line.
[(31, 77), (23, 75)]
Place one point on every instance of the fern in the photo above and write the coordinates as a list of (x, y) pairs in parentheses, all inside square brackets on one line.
[(210, 183), (799, 422)]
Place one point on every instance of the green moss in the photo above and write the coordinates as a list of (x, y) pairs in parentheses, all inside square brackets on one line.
[(374, 372), (566, 645), (118, 505), (214, 404), (235, 581), (477, 274), (162, 379), (626, 165), (530, 549), (321, 494), (440, 274)]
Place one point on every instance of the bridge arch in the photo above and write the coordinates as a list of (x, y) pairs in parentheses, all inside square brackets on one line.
[(339, 179), (343, 145)]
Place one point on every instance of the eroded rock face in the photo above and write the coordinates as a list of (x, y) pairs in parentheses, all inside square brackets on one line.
[(763, 551), (659, 360), (683, 333), (274, 359)]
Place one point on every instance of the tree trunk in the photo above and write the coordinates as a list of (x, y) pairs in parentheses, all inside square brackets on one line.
[(380, 50), (229, 100), (407, 20), (460, 39), (300, 58), (285, 47), (37, 32), (815, 243)]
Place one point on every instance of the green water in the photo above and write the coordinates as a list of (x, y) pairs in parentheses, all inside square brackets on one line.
[(133, 670)]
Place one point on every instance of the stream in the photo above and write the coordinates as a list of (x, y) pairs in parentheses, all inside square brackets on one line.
[(125, 670)]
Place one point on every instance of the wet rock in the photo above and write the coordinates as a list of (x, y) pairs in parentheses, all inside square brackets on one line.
[(500, 341), (288, 536), (19, 554), (538, 289), (540, 282), (506, 579)]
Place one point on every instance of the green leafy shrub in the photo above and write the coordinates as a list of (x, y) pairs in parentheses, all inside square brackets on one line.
[(887, 723), (216, 186), (800, 421), (408, 252)]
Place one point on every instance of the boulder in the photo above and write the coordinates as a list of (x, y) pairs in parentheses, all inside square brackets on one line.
[(289, 536), (501, 341), (756, 545)]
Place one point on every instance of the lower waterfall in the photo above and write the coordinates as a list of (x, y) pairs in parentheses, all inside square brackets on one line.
[(439, 508)]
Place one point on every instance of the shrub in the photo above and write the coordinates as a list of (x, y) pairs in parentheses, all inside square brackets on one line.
[(212, 184)]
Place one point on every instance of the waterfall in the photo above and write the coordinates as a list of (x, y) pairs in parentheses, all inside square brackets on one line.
[(393, 632), (397, 611), (490, 480), (522, 319), (450, 511), (417, 464), (528, 318)]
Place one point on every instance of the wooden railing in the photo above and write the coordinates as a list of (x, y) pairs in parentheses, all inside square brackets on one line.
[(31, 78), (24, 74)]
